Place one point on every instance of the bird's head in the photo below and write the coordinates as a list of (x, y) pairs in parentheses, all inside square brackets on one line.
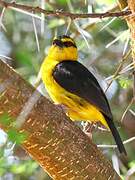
[(63, 48)]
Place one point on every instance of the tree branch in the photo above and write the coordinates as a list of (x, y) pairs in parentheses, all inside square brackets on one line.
[(127, 119), (60, 13), (60, 147), (131, 23)]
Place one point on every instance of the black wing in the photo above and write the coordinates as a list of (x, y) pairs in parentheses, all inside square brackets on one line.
[(75, 78)]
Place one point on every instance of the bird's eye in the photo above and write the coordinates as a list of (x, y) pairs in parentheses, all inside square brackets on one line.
[(69, 44), (58, 42)]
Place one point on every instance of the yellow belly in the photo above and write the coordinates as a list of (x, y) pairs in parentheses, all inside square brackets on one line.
[(77, 108)]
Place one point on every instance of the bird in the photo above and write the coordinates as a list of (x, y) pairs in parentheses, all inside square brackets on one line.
[(71, 84)]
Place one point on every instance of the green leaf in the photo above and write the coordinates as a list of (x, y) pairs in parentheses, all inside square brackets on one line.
[(62, 2), (31, 166), (18, 169), (27, 167), (1, 153), (16, 136), (132, 164), (2, 171), (55, 23), (24, 58), (106, 2), (5, 119), (2, 162), (125, 82)]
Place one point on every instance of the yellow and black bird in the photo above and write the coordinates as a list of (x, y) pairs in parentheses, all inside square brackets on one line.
[(71, 84)]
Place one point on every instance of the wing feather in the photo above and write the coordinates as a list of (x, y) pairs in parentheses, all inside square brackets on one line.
[(77, 79)]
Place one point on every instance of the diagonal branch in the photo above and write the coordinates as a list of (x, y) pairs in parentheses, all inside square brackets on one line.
[(60, 147), (131, 24), (59, 13)]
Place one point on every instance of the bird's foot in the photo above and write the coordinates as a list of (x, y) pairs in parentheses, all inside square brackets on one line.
[(62, 107), (88, 128)]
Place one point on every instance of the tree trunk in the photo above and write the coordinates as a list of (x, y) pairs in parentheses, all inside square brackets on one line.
[(53, 140), (131, 24), (129, 119)]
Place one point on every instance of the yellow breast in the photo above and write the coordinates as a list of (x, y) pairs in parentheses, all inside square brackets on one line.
[(54, 90)]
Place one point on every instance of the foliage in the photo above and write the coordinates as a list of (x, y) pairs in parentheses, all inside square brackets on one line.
[(102, 45)]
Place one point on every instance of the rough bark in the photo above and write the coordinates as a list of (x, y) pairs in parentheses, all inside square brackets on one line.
[(131, 23), (60, 147), (122, 4), (129, 119)]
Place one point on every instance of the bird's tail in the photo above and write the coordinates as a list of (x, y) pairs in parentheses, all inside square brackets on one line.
[(116, 135)]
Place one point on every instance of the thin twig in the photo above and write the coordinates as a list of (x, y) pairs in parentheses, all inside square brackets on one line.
[(131, 102), (119, 68), (76, 23), (106, 25), (126, 45), (1, 18), (117, 38), (42, 17), (35, 32), (132, 112), (59, 13), (68, 26), (134, 84), (115, 146), (6, 57), (81, 31)]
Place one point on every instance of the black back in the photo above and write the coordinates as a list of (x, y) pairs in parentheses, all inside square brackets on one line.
[(77, 79)]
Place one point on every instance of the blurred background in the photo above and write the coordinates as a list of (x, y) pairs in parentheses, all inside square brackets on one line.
[(104, 48)]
